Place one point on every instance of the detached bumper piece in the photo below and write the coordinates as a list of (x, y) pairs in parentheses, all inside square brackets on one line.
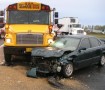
[(32, 73)]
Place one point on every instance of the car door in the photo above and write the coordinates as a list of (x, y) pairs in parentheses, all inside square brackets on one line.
[(84, 56), (96, 48)]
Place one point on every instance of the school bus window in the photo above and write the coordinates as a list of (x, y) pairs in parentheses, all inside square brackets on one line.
[(39, 17), (28, 17), (18, 17)]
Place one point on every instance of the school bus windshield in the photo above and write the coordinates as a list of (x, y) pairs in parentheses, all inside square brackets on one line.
[(28, 17)]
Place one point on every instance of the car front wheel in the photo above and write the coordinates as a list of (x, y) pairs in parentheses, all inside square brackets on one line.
[(102, 61), (68, 70)]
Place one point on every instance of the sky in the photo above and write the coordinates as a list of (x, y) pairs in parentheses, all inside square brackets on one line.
[(89, 12)]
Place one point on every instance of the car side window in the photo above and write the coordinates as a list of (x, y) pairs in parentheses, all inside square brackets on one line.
[(85, 43), (94, 42)]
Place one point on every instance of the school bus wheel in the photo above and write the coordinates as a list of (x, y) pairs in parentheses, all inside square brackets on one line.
[(7, 59)]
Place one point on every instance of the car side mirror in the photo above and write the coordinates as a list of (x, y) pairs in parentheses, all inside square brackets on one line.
[(81, 49)]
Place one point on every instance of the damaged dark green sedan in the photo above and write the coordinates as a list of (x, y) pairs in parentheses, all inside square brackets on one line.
[(69, 53)]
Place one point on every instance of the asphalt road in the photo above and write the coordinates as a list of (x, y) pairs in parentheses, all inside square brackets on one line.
[(93, 77), (90, 78)]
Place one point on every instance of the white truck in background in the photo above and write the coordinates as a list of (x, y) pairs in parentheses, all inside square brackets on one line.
[(70, 25)]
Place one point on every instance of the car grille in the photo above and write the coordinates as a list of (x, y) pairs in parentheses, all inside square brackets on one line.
[(29, 38), (80, 31)]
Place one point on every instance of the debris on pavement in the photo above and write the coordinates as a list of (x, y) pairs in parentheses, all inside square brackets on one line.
[(54, 82)]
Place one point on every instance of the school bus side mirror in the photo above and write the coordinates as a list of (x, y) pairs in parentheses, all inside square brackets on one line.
[(59, 25), (56, 14), (56, 21)]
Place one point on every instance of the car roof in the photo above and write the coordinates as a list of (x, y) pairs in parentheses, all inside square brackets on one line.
[(74, 36)]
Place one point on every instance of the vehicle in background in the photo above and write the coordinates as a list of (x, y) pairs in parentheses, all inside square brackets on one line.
[(70, 25), (103, 31), (2, 28), (69, 53), (28, 25)]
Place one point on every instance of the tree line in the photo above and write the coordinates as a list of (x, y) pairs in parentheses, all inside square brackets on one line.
[(95, 27)]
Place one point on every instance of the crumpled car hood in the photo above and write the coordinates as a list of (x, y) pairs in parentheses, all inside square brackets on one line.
[(47, 52)]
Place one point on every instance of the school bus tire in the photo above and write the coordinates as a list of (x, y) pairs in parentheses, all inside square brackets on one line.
[(0, 36), (7, 59)]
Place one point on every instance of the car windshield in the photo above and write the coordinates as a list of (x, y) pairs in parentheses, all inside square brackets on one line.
[(28, 17), (66, 43)]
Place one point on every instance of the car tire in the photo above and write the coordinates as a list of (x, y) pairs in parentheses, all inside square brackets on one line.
[(68, 70), (102, 60), (7, 59)]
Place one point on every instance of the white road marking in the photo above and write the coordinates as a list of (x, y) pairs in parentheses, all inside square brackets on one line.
[(1, 45)]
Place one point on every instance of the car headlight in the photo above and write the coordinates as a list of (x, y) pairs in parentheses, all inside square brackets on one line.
[(50, 41), (8, 40)]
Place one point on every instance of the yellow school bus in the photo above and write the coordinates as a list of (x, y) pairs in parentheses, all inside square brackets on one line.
[(28, 25)]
